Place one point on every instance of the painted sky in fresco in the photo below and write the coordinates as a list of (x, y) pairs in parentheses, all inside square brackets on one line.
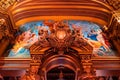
[(95, 37), (28, 35)]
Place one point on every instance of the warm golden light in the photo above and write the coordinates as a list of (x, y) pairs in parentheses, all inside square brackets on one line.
[(61, 34)]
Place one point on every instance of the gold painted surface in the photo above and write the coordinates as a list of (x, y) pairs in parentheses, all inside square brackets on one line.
[(40, 51), (19, 4), (59, 18), (108, 58), (14, 59), (71, 2), (5, 4), (107, 67), (58, 7), (81, 51), (23, 66), (100, 2)]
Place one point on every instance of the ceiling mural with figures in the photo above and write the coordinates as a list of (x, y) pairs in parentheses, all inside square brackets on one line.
[(61, 35)]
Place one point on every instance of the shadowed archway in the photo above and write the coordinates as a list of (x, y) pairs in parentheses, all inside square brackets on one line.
[(61, 72)]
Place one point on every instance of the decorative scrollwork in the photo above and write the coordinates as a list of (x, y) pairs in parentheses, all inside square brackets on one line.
[(2, 28), (31, 74), (36, 58), (61, 36), (88, 70), (4, 4), (114, 3), (85, 57)]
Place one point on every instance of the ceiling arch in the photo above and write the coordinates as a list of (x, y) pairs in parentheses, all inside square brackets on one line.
[(33, 10)]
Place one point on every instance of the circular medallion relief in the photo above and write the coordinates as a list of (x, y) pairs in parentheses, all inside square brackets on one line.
[(60, 34)]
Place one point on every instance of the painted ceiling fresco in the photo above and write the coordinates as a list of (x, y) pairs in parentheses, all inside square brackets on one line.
[(28, 34)]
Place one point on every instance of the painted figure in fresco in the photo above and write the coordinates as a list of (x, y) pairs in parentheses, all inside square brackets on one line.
[(95, 39), (38, 33), (92, 40), (23, 42), (102, 40), (77, 31), (97, 36), (28, 38)]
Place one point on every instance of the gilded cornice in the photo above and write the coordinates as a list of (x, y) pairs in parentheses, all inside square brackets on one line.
[(92, 10), (5, 4), (59, 18), (114, 3)]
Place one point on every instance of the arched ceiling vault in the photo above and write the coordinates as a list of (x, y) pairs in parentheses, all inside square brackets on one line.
[(97, 11)]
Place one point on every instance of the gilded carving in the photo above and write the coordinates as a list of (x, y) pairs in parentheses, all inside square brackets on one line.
[(85, 58), (31, 74), (2, 28), (88, 70), (4, 4), (114, 3), (36, 58), (61, 37)]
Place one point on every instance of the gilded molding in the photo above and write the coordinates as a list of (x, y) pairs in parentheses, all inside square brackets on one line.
[(58, 7), (59, 18)]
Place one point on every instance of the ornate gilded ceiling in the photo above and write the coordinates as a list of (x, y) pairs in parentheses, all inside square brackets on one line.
[(116, 14), (62, 38), (114, 3), (5, 4), (33, 10), (22, 11)]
